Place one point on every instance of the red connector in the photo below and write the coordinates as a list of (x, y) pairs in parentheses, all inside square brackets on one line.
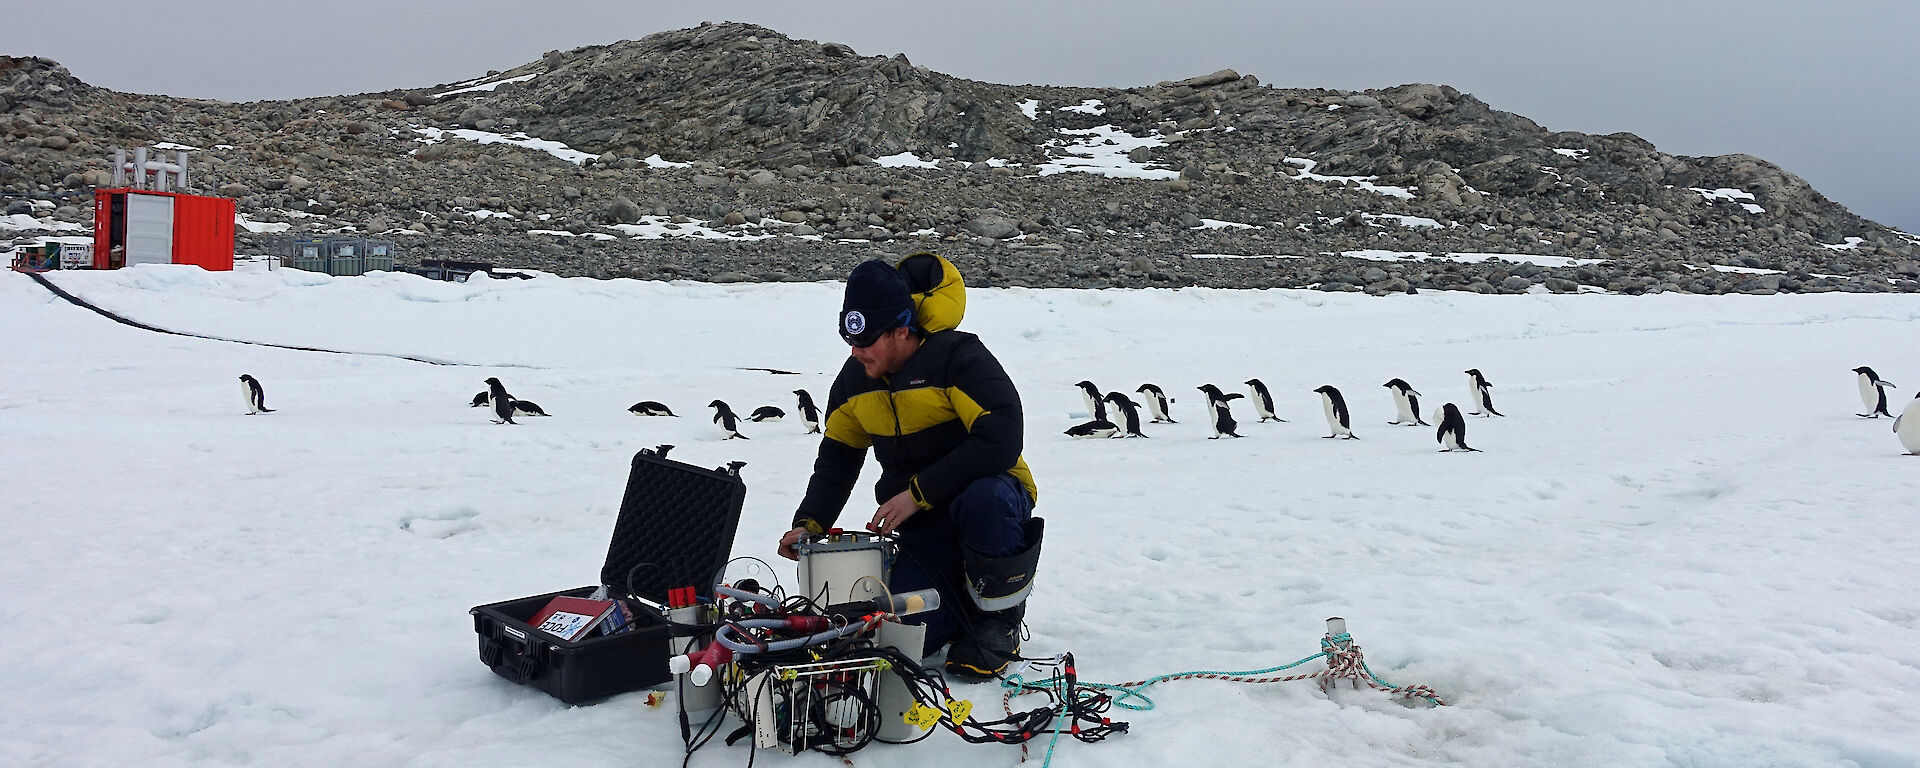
[(809, 624)]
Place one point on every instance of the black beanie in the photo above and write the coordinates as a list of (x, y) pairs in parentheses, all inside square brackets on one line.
[(877, 301)]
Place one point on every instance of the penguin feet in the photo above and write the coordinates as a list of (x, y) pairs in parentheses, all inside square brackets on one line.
[(1868, 415)]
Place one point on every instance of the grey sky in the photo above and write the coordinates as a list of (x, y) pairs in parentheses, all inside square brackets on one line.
[(1824, 89)]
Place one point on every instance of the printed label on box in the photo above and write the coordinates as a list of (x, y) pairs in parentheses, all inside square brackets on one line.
[(567, 625)]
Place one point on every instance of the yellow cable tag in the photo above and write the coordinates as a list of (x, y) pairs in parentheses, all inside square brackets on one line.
[(921, 716), (959, 710)]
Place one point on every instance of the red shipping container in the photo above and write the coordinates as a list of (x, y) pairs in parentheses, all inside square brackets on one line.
[(133, 226)]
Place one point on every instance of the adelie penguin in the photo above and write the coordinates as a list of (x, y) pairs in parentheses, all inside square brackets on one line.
[(1157, 402), (1873, 393), (527, 408), (1481, 391), (1095, 405), (1338, 419), (649, 408), (501, 401), (1406, 404), (1128, 414), (256, 396), (478, 400), (1452, 434), (1092, 429), (1262, 400), (809, 413), (1223, 423), (1214, 395), (729, 423), (766, 413), (1908, 427)]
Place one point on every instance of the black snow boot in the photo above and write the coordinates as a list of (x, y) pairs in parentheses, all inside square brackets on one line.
[(989, 635)]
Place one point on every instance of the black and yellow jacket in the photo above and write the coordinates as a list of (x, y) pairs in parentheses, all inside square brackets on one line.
[(948, 417)]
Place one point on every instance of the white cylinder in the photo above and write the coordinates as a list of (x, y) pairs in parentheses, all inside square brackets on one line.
[(699, 695), (846, 568)]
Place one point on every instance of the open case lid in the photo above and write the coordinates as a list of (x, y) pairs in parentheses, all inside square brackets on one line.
[(675, 528)]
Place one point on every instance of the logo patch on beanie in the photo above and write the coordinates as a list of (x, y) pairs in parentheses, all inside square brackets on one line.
[(855, 323)]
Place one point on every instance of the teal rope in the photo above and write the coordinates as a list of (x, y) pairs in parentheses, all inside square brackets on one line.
[(1134, 690), (1015, 684)]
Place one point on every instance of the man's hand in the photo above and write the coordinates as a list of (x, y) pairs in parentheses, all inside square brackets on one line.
[(793, 537), (891, 514)]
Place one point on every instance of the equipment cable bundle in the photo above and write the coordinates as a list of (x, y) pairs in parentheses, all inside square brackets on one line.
[(835, 670)]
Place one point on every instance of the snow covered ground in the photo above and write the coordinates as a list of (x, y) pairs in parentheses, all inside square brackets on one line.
[(1680, 547)]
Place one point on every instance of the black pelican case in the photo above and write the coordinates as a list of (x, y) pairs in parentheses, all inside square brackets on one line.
[(675, 530)]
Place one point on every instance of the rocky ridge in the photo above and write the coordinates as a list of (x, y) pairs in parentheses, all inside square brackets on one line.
[(730, 152)]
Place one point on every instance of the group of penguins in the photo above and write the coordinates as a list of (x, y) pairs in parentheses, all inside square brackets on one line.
[(505, 406), (1873, 395), (1451, 434)]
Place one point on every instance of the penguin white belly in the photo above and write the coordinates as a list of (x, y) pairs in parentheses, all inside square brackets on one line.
[(1405, 414), (1869, 394), (1908, 427), (1333, 419)]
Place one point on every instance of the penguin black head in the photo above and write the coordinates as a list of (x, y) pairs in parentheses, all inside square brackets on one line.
[(1254, 383), (1397, 384), (802, 393), (1148, 388), (1209, 389), (1327, 389), (1088, 386), (719, 405), (1474, 372), (493, 382), (248, 377), (1116, 397), (1867, 372)]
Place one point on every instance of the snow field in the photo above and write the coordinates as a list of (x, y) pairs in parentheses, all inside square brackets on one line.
[(1679, 548)]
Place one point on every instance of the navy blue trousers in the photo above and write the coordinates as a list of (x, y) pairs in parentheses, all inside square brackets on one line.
[(988, 517)]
